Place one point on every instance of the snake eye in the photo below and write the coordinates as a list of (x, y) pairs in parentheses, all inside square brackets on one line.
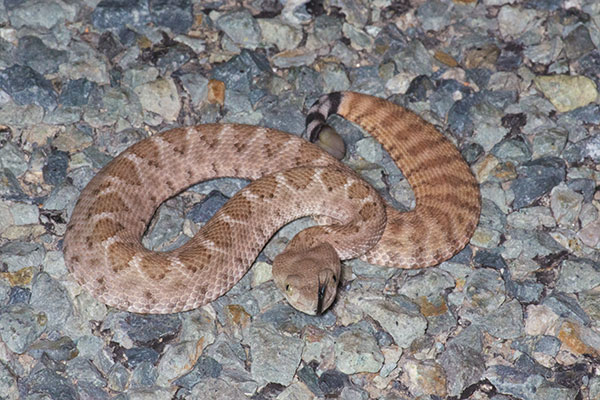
[(334, 279), (287, 287)]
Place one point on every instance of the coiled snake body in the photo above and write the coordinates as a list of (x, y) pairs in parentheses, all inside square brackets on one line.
[(291, 178)]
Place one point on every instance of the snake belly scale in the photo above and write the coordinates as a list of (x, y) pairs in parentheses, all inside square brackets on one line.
[(291, 178)]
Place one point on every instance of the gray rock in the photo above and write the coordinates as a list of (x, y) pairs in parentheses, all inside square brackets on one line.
[(32, 52), (55, 169), (274, 32), (205, 367), (76, 93), (405, 325), (62, 349), (8, 383), (176, 360), (293, 58), (275, 357), (10, 189), (165, 230), (52, 299), (144, 375), (549, 143), (176, 15), (435, 15), (332, 382), (20, 326), (18, 255), (36, 13), (566, 206), (84, 371), (19, 295), (356, 11), (110, 14), (430, 284), (47, 382), (359, 39), (215, 389), (197, 86), (241, 28), (25, 214), (240, 72), (485, 289), (142, 329), (13, 159), (536, 178), (62, 198), (578, 42), (514, 21), (328, 28), (505, 322), (414, 58), (566, 306), (160, 97), (357, 351), (548, 345), (27, 86), (578, 276), (512, 150), (511, 381)]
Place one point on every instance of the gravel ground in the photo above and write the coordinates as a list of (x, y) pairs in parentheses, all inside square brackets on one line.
[(516, 315)]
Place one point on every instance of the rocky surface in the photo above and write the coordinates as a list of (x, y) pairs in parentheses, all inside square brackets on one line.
[(514, 84)]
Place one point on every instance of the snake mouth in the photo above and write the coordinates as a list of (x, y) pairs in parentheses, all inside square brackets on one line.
[(322, 290)]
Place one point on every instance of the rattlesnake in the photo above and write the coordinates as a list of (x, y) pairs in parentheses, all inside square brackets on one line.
[(291, 178)]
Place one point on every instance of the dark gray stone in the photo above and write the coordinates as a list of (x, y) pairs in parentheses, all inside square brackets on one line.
[(548, 345), (328, 28), (62, 349), (205, 367), (442, 98), (286, 117), (20, 326), (366, 80), (138, 355), (331, 382), (589, 114), (26, 86), (587, 187), (204, 210), (144, 375), (76, 93), (463, 361), (51, 298), (240, 71), (537, 178), (32, 52), (55, 170), (148, 329), (176, 15), (511, 58), (19, 295), (240, 27), (48, 382), (117, 14), (173, 58), (17, 255), (308, 376), (578, 42), (85, 372), (566, 307)]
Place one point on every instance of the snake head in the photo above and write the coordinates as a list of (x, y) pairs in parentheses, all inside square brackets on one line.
[(308, 278)]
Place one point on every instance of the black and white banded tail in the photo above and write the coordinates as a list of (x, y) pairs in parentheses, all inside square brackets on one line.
[(319, 112)]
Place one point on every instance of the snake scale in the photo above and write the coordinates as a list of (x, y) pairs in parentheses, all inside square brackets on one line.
[(291, 178)]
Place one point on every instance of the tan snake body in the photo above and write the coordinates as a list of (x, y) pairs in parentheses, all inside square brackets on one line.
[(291, 178)]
